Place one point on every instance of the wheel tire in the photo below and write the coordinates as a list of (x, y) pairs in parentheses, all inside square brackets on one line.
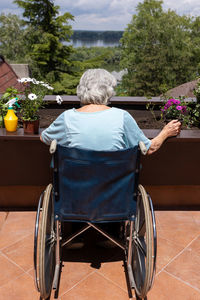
[(36, 242), (144, 245), (47, 241)]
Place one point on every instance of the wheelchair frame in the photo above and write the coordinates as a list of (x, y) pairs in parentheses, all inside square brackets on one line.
[(139, 243)]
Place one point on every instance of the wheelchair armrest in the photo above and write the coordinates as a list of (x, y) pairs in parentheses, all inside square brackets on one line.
[(143, 148), (53, 146)]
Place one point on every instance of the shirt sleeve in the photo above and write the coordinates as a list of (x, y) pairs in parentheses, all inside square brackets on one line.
[(56, 131), (133, 133)]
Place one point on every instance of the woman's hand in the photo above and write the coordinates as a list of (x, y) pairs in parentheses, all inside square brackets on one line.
[(171, 129)]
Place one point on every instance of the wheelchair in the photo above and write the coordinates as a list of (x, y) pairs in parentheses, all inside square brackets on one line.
[(94, 187)]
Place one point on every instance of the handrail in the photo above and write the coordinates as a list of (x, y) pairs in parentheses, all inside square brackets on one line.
[(71, 99), (185, 135)]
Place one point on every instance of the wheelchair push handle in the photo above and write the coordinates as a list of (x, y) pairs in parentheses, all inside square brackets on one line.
[(143, 148), (53, 147)]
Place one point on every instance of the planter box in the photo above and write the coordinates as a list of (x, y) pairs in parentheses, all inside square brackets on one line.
[(171, 175)]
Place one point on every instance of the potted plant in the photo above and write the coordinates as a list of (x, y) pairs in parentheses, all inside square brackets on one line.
[(31, 102), (175, 109)]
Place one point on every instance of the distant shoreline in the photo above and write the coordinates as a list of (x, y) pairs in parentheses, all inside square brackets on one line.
[(94, 38)]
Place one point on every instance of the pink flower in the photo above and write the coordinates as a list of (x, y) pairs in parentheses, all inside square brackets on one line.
[(169, 102), (177, 102), (179, 107)]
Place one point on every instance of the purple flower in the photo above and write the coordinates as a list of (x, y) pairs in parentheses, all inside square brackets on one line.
[(169, 102), (162, 109), (177, 102), (179, 107)]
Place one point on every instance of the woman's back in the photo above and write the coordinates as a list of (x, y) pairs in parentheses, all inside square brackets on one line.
[(108, 129)]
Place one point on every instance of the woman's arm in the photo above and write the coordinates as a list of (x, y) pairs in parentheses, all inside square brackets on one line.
[(171, 129), (41, 139)]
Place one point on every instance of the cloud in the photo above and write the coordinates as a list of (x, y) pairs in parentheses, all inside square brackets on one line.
[(99, 15), (106, 14)]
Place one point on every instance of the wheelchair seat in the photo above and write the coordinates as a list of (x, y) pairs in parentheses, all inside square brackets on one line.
[(95, 187)]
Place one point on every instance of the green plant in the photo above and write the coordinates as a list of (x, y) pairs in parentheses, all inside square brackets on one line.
[(175, 109), (194, 114), (9, 93), (32, 98), (197, 91)]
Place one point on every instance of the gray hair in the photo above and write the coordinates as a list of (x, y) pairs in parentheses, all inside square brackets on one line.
[(96, 86)]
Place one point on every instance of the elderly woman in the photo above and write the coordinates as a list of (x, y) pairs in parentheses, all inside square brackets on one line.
[(96, 126)]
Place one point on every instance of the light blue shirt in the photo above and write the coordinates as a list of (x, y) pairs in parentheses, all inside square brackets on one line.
[(110, 129)]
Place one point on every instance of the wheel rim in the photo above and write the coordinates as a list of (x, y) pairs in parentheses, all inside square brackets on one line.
[(143, 244), (47, 245), (35, 257)]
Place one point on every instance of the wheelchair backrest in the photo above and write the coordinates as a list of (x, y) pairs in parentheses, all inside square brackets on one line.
[(95, 186)]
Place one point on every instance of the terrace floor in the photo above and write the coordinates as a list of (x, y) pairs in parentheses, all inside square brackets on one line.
[(177, 278)]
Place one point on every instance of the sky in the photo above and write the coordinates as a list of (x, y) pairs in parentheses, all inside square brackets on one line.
[(106, 14)]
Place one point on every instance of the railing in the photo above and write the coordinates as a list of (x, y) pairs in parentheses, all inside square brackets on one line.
[(171, 175)]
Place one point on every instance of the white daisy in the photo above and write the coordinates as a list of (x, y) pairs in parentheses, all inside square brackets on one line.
[(59, 100), (50, 87), (32, 96)]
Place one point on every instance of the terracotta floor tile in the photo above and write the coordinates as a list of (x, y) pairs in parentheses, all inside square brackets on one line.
[(72, 273), (186, 267), (167, 287), (21, 252), (16, 227), (8, 270), (115, 272), (170, 219), (195, 246), (196, 216), (95, 287), (31, 272), (180, 235), (80, 281), (3, 216), (20, 289), (165, 252)]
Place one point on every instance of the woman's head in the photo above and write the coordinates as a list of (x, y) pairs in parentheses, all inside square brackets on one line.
[(96, 86)]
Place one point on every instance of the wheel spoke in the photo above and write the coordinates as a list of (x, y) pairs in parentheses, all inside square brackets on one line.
[(141, 244), (140, 270), (142, 228)]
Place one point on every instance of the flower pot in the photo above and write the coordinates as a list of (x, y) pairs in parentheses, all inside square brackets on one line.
[(31, 127)]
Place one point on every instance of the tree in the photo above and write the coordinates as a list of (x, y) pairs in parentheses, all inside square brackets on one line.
[(157, 50), (13, 45), (50, 52)]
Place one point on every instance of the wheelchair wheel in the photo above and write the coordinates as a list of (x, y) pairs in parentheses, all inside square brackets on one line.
[(143, 245), (47, 242)]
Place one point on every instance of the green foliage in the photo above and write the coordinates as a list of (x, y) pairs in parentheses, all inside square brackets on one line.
[(13, 42), (194, 114), (51, 58), (159, 50), (102, 57), (50, 54), (197, 91)]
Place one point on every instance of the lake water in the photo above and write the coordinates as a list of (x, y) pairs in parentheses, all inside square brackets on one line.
[(92, 43)]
